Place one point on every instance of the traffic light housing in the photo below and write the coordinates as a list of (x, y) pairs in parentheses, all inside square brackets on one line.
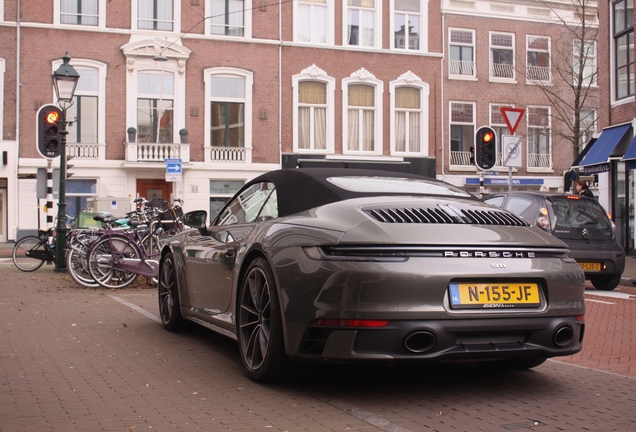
[(49, 126), (485, 148)]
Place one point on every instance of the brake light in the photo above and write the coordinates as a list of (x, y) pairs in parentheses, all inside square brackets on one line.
[(580, 318), (573, 197), (324, 322)]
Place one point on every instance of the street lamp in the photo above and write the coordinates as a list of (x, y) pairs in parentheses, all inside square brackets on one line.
[(65, 80)]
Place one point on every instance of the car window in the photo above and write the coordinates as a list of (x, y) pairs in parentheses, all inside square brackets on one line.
[(496, 201), (578, 213), (245, 207), (270, 209), (518, 205)]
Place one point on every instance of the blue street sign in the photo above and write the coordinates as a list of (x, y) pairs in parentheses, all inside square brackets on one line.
[(173, 166)]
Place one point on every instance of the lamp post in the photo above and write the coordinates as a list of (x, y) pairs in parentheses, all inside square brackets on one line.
[(65, 80)]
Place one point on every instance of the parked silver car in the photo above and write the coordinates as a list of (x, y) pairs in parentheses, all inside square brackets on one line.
[(579, 221), (357, 266)]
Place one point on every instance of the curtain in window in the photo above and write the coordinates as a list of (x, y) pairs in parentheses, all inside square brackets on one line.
[(353, 140), (368, 126), (320, 128), (164, 15), (400, 131), (312, 93), (145, 14), (304, 128), (226, 17), (414, 131)]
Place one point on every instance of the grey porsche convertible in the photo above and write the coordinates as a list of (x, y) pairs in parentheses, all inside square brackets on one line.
[(357, 266)]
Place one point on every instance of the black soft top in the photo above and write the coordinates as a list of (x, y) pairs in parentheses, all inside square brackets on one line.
[(302, 189)]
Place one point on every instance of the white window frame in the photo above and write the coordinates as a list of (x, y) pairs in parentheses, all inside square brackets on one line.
[(176, 18), (102, 68), (593, 129), (423, 27), (491, 62), (613, 67), (409, 79), (57, 10), (551, 143), (330, 24), (363, 76), (3, 68), (473, 123), (247, 101), (178, 97), (473, 45), (247, 21), (314, 73), (549, 52), (377, 26), (593, 82)]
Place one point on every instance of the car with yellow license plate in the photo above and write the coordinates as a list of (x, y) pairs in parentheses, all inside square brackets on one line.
[(355, 266), (581, 222)]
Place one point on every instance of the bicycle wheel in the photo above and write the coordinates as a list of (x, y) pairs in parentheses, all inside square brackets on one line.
[(76, 262), (21, 260), (104, 257)]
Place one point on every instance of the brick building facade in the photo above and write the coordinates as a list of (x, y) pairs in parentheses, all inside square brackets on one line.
[(235, 89)]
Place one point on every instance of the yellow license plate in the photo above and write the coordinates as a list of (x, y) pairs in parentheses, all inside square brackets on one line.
[(590, 266), (494, 295)]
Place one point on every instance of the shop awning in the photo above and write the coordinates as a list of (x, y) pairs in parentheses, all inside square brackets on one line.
[(599, 153), (630, 155), (583, 153)]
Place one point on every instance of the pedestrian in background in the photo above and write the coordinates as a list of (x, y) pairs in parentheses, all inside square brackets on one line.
[(583, 189)]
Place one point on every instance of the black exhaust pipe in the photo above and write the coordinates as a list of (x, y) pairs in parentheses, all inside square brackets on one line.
[(420, 341), (563, 336)]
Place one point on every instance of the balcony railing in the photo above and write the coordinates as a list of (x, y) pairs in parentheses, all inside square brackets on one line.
[(461, 67), (461, 158), (85, 151), (537, 73), (156, 152), (226, 154), (539, 160), (500, 70)]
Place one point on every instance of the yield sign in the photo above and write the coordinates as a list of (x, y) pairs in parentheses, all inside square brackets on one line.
[(512, 117)]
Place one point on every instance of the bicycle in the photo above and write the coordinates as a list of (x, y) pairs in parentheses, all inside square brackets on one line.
[(31, 252)]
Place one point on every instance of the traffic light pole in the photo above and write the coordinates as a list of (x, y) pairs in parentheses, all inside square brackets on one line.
[(60, 230)]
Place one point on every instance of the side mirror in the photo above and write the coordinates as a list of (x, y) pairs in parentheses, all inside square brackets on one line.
[(196, 219)]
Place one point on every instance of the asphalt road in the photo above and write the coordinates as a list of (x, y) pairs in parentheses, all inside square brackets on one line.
[(98, 360)]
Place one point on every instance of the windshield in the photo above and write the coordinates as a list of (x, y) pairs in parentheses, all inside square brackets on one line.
[(570, 216), (392, 185)]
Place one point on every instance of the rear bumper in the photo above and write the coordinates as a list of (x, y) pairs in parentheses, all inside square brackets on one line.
[(437, 340)]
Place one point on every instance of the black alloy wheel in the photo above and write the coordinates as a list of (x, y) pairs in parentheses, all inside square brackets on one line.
[(169, 306), (260, 330)]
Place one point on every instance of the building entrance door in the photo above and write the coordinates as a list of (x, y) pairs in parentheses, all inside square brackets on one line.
[(156, 188), (3, 215)]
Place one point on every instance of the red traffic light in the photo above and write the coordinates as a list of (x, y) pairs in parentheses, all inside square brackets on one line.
[(51, 117), (487, 137)]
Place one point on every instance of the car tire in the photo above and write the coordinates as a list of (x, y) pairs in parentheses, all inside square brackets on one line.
[(259, 325), (168, 295), (605, 283)]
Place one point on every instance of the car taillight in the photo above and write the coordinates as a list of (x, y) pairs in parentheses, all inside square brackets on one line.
[(324, 322), (543, 221)]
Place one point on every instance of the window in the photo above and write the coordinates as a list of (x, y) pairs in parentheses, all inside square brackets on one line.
[(538, 137), (409, 115), (312, 21), (228, 113), (498, 124), (155, 92), (220, 192), (2, 71), (407, 21), (313, 111), (538, 64), (623, 16), (257, 202), (89, 107), (362, 23), (77, 193), (587, 126), (362, 114), (155, 15), (587, 71), (82, 12), (502, 55), (462, 132), (462, 52), (226, 17), (85, 107)]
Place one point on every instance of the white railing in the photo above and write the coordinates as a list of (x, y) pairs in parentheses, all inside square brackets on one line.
[(156, 152), (539, 160), (501, 70), (227, 154), (461, 67), (460, 158), (537, 73), (85, 151)]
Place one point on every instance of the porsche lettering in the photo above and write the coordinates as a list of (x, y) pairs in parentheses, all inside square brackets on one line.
[(488, 254)]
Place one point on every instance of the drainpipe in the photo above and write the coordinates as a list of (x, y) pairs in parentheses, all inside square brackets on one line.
[(17, 125), (441, 79), (280, 84)]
